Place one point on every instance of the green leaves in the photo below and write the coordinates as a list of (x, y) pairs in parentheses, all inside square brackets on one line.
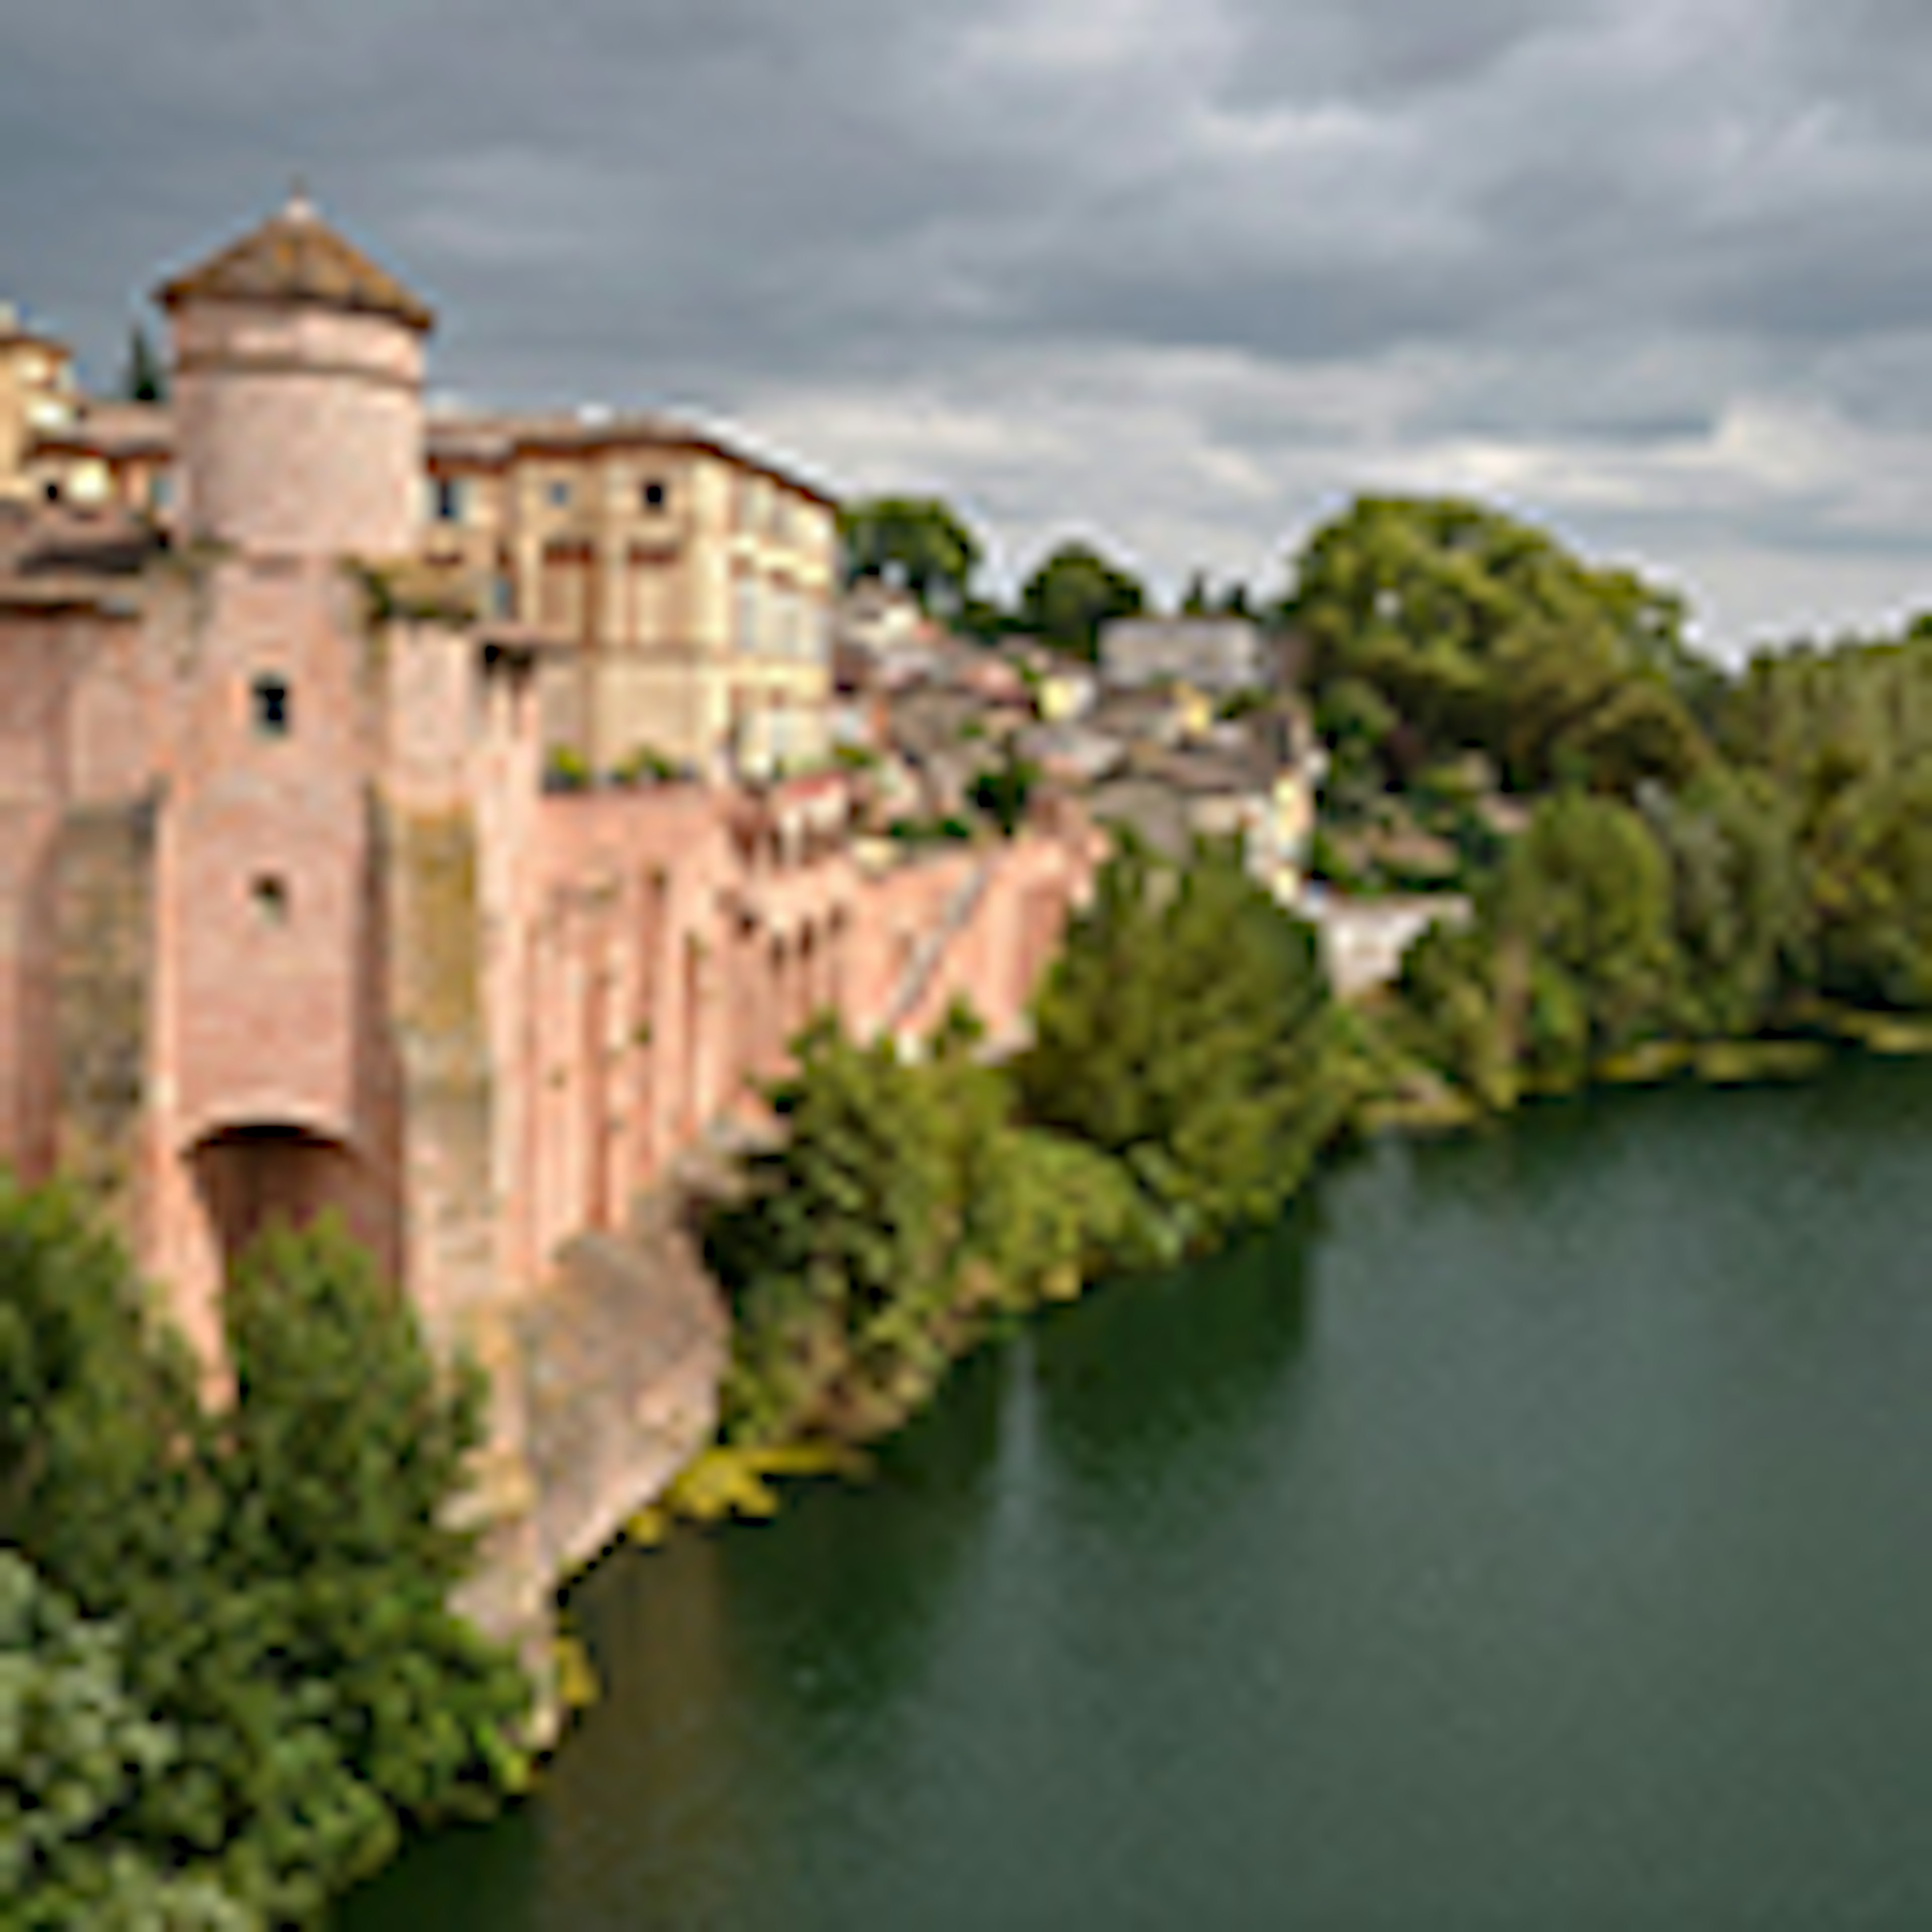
[(277, 1573), (919, 539), (1072, 594), (1481, 632), (76, 1744), (904, 1204), (1185, 1029)]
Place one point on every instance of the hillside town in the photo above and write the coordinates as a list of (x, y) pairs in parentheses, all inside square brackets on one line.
[(449, 822), (686, 595), (609, 970)]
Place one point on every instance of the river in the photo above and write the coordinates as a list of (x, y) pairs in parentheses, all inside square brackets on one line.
[(1532, 1531)]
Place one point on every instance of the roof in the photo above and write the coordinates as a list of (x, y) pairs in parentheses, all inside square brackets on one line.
[(1186, 631), (490, 441), (55, 555), (296, 257), (111, 429), (13, 335)]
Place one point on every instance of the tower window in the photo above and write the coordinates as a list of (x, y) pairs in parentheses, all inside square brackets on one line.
[(557, 493), (654, 495), (269, 895), (448, 504), (273, 706)]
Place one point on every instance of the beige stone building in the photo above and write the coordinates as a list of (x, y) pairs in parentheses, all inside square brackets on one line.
[(36, 397), (692, 581), (695, 580)]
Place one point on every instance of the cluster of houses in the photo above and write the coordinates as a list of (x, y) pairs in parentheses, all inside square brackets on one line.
[(680, 591), (1182, 726)]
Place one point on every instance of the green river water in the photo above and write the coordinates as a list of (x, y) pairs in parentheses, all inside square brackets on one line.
[(1532, 1532)]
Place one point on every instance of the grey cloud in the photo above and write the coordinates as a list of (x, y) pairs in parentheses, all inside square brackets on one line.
[(1564, 238)]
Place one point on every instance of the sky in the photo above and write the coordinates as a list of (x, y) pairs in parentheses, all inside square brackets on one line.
[(1180, 277)]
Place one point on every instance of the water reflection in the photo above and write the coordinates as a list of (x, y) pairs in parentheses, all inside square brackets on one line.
[(1535, 1539), (1149, 1378)]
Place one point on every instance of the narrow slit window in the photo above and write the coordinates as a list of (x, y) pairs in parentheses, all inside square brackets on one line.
[(270, 895), (274, 707)]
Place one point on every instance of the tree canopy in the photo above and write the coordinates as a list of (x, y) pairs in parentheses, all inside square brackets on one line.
[(276, 1573), (1184, 1029), (145, 378), (920, 542), (1073, 593), (1481, 632)]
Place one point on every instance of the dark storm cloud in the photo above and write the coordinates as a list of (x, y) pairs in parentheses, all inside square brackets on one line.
[(1188, 267)]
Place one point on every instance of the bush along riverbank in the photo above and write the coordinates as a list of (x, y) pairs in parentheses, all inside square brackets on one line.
[(1710, 931), (1187, 1066), (230, 1682), (1716, 873)]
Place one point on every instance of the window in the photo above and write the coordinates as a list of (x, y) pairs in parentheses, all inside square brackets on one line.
[(653, 495), (271, 706), (270, 897), (160, 490), (448, 505), (745, 621), (556, 492)]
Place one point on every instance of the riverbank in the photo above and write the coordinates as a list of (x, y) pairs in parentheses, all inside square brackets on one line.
[(1520, 1530)]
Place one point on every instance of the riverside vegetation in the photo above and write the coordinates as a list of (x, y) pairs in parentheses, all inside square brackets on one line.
[(229, 1679), (1720, 874)]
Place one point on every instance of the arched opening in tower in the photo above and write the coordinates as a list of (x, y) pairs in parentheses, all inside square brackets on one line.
[(251, 1178)]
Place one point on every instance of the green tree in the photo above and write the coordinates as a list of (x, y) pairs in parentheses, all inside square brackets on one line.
[(839, 1261), (1455, 1009), (1073, 593), (279, 1569), (1482, 632), (1195, 601), (346, 1448), (145, 378), (1586, 891), (918, 541), (75, 1746), (1185, 1029), (1870, 863), (1002, 791), (1741, 912)]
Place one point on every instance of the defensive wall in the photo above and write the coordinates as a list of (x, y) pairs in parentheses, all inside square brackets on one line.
[(290, 921), (674, 940)]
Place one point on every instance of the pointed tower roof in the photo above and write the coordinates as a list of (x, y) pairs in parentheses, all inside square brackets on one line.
[(295, 256)]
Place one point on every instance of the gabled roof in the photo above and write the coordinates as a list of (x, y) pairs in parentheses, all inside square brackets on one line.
[(57, 557), (296, 257), (109, 429)]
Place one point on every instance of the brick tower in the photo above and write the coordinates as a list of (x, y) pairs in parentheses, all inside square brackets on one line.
[(297, 378)]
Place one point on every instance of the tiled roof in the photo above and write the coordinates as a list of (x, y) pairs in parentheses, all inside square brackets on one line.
[(40, 539), (458, 438), (53, 557), (111, 429), (295, 256)]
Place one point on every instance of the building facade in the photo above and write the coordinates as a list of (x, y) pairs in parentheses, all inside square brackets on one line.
[(1219, 655), (290, 921), (692, 580), (36, 398)]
